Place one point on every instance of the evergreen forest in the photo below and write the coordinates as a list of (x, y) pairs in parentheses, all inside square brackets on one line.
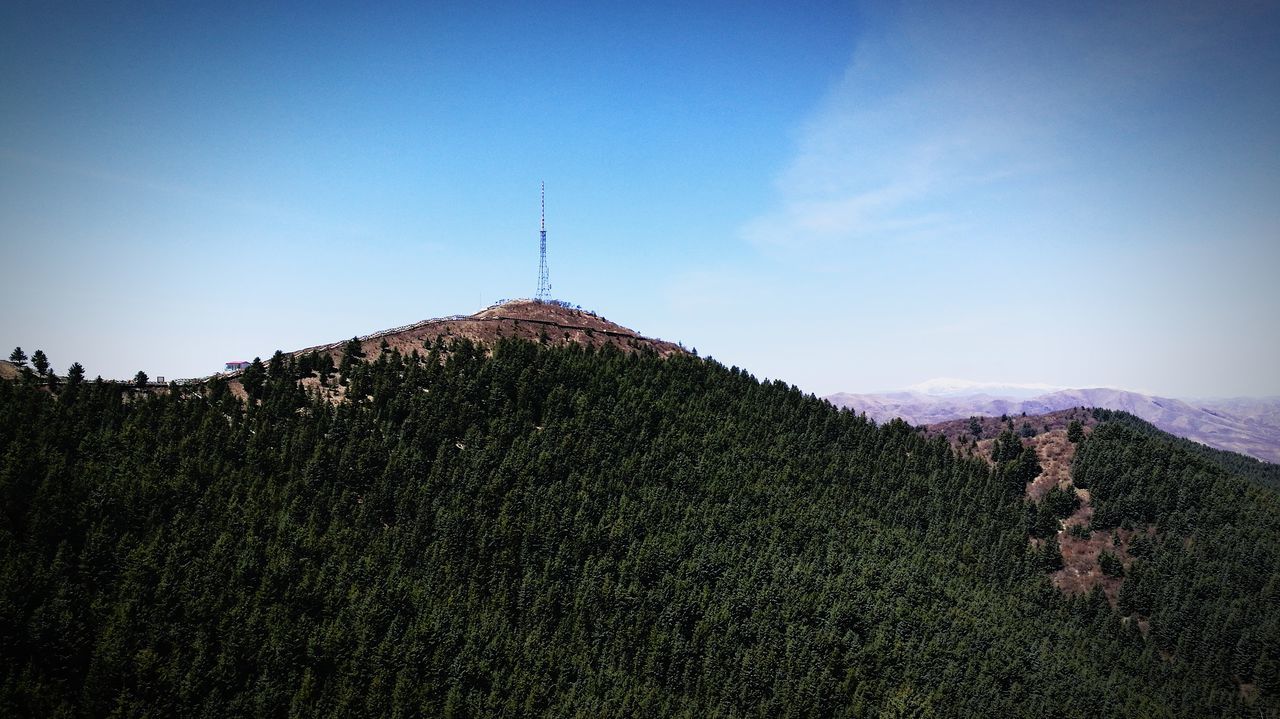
[(523, 530)]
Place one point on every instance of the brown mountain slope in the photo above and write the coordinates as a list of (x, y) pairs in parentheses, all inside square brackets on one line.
[(536, 321), (547, 322)]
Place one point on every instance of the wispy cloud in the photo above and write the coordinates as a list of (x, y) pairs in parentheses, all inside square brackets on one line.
[(953, 102), (858, 201)]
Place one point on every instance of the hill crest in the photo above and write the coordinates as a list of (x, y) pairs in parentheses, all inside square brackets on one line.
[(552, 322)]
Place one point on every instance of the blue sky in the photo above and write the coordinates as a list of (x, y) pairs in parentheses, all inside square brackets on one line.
[(851, 197)]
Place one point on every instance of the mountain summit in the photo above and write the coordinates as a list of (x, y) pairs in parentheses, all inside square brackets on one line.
[(551, 322)]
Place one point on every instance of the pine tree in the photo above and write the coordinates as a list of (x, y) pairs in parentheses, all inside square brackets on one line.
[(75, 374), (1075, 431), (18, 357), (1051, 554), (1110, 564), (276, 365), (1061, 502), (352, 353), (325, 368), (40, 362), (1026, 467), (1006, 448), (253, 378)]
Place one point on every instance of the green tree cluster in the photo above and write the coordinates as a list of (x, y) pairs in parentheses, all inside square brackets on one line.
[(1208, 574), (522, 530)]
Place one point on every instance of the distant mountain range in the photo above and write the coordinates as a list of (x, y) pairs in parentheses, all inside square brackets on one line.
[(952, 387), (1246, 425)]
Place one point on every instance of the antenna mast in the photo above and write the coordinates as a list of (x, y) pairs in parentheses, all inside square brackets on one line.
[(544, 278)]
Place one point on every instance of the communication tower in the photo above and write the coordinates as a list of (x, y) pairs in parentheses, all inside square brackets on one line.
[(544, 278)]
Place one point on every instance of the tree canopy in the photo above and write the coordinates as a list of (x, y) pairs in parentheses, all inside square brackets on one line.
[(526, 530)]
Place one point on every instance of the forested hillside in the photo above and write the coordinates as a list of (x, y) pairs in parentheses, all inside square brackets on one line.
[(526, 530), (1209, 577)]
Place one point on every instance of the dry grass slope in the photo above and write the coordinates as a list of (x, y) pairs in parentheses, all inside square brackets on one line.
[(1081, 571)]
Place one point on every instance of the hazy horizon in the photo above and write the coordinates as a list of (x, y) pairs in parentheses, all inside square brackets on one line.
[(842, 196)]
